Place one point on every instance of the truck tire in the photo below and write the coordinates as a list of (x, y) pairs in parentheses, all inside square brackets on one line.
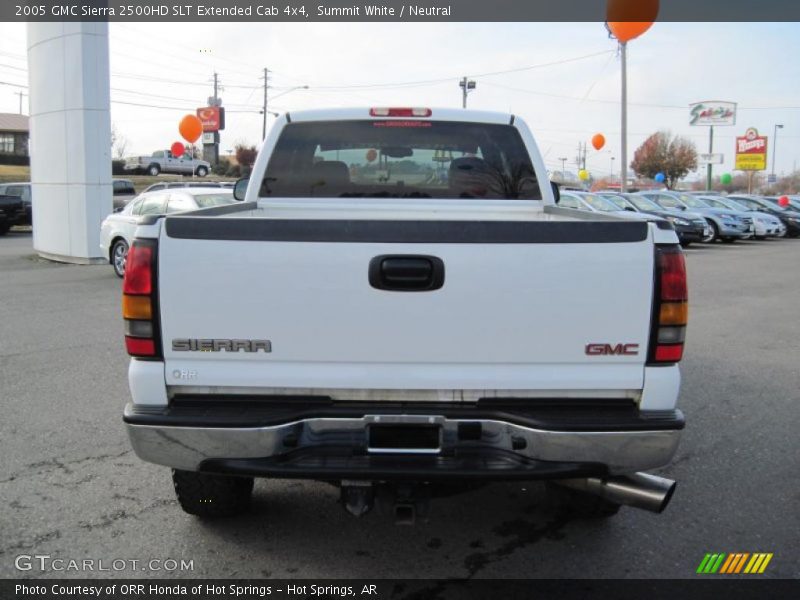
[(153, 170), (575, 504), (211, 496), (202, 171), (4, 227)]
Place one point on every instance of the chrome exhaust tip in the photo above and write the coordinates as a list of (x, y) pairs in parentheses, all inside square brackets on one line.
[(639, 490)]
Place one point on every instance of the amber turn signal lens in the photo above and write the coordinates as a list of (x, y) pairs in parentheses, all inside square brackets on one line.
[(674, 313), (136, 307)]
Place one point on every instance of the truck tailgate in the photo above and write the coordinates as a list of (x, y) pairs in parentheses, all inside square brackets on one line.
[(519, 303)]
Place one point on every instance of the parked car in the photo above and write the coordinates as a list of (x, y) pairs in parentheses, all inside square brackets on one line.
[(765, 224), (116, 231), (794, 202), (21, 190), (788, 216), (690, 227), (169, 185), (11, 211), (599, 204), (704, 193), (123, 192), (384, 333), (162, 161), (725, 225)]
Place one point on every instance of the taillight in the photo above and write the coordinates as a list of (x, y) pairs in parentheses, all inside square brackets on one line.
[(400, 112), (670, 307), (138, 301)]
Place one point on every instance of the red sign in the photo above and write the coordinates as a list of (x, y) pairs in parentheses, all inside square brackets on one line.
[(213, 118), (751, 151), (751, 143)]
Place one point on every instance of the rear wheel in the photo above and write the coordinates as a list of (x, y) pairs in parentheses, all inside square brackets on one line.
[(714, 235), (4, 227), (573, 503), (119, 256), (207, 495)]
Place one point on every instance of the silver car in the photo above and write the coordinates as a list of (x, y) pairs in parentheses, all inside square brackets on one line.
[(765, 224)]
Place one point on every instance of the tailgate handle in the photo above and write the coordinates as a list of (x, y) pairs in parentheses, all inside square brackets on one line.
[(406, 273)]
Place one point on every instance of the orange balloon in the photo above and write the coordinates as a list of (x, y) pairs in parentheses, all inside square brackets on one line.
[(191, 128), (628, 19), (598, 141), (625, 31)]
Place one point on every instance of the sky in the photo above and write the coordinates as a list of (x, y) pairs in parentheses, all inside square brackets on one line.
[(571, 93)]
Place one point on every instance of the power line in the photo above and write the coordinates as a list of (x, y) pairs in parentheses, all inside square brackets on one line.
[(237, 61), (643, 104), (138, 76), (15, 68), (423, 82)]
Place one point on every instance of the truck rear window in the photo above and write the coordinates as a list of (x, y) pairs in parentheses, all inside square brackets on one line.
[(400, 159)]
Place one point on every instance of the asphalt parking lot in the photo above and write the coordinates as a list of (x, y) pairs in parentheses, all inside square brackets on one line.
[(70, 487)]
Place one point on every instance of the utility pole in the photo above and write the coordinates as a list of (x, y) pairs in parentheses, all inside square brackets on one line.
[(466, 86), (774, 149), (211, 149), (580, 160), (623, 171), (21, 94), (266, 87)]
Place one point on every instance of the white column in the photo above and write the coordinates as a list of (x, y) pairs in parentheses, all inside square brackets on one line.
[(70, 141)]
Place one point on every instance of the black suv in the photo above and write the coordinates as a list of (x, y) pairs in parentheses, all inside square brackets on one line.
[(12, 212), (22, 192)]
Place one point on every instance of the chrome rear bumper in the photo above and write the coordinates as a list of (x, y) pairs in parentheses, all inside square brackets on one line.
[(194, 448)]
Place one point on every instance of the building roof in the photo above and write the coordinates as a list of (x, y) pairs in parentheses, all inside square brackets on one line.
[(13, 122)]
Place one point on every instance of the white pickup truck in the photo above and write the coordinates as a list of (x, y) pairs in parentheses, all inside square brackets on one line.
[(399, 302)]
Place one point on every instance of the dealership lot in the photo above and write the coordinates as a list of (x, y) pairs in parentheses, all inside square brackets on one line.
[(70, 487)]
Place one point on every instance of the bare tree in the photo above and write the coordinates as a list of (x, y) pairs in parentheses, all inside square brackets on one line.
[(662, 153), (119, 143)]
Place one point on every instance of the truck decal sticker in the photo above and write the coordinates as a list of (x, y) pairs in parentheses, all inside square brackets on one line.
[(406, 232)]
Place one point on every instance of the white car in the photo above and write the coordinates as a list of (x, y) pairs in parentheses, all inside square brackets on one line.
[(117, 230), (766, 225)]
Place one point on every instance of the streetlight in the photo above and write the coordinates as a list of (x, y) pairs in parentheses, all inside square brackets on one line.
[(563, 168), (612, 169), (264, 111), (774, 149)]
